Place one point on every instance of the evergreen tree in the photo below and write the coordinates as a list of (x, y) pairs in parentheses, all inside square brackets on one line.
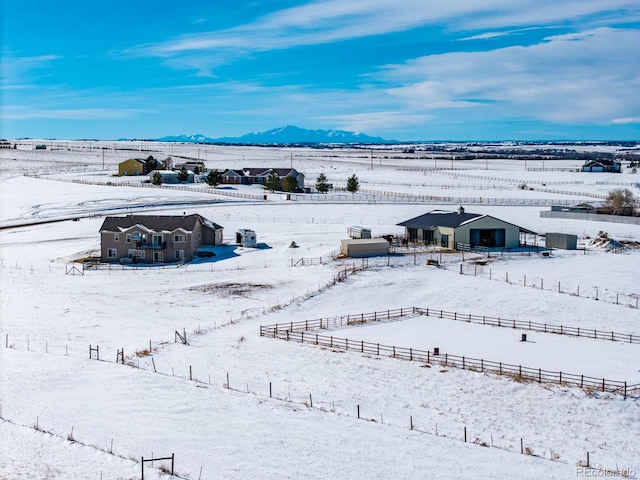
[(321, 183), (272, 182), (149, 164), (156, 178), (289, 184), (183, 175), (352, 184), (214, 178)]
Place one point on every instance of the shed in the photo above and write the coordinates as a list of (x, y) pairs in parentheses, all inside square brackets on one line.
[(364, 247), (246, 238), (564, 241), (359, 232)]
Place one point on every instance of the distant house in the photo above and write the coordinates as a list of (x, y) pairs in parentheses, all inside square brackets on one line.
[(597, 206), (234, 177), (40, 147), (259, 176), (156, 239), (138, 166), (191, 165), (609, 165), (262, 175), (460, 230), (171, 176), (131, 167)]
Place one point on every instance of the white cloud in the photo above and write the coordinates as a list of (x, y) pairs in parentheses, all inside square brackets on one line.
[(591, 77), (376, 121), (11, 112), (626, 121), (335, 20)]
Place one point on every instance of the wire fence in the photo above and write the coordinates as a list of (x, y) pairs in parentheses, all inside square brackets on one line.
[(631, 300)]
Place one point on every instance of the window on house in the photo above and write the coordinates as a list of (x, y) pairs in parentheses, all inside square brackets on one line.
[(128, 238), (179, 254), (179, 238), (112, 253), (116, 237), (141, 254)]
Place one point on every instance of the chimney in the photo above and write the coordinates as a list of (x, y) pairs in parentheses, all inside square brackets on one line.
[(460, 210)]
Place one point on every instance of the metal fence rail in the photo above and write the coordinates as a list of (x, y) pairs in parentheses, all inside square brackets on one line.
[(357, 319), (532, 326), (516, 372)]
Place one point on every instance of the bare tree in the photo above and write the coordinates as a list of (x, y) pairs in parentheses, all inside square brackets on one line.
[(621, 201)]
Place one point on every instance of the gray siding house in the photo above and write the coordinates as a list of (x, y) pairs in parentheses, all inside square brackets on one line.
[(611, 166), (461, 230), (155, 238)]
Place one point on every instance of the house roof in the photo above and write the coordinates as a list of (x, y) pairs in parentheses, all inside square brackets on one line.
[(132, 160), (262, 172), (439, 218), (604, 162), (594, 204), (231, 172), (157, 223)]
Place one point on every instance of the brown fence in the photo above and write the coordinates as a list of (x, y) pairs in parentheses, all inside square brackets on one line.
[(516, 372), (360, 318), (301, 331), (532, 326)]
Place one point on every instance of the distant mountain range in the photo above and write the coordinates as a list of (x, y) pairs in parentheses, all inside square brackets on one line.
[(284, 135)]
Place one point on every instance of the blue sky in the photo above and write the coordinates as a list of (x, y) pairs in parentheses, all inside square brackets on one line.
[(401, 69)]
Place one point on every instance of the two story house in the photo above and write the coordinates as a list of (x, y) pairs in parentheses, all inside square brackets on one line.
[(156, 238)]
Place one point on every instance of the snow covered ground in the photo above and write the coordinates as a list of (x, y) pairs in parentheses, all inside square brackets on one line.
[(291, 410)]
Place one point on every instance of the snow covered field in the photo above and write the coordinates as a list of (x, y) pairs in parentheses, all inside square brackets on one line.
[(291, 410)]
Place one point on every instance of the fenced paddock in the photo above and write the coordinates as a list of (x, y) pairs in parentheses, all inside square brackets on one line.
[(516, 372), (303, 332), (363, 318)]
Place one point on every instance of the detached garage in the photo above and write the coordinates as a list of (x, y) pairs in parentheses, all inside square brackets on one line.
[(365, 247)]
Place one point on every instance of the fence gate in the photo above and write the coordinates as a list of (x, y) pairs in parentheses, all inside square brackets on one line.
[(157, 460)]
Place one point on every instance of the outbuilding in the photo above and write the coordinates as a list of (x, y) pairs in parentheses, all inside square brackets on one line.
[(461, 231), (246, 238), (564, 241), (359, 232), (364, 247)]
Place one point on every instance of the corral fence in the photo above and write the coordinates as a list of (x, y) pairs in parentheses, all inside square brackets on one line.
[(531, 326), (302, 332), (363, 318), (303, 262)]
